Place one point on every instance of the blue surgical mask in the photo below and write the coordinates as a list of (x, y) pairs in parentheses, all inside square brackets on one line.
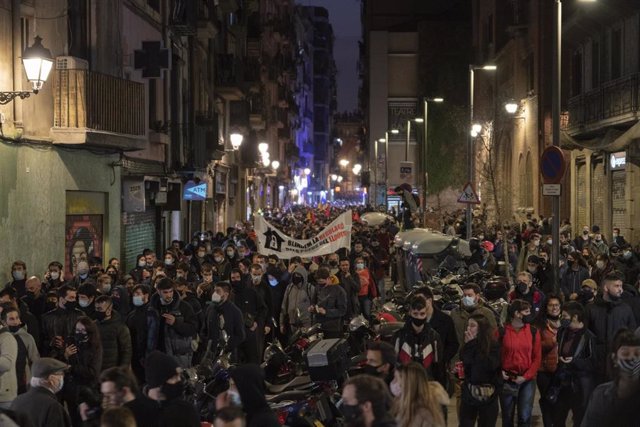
[(273, 282), (138, 301)]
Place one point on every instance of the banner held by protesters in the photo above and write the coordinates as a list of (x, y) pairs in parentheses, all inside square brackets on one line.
[(272, 241)]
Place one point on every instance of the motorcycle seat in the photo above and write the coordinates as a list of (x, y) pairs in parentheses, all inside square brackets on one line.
[(302, 381)]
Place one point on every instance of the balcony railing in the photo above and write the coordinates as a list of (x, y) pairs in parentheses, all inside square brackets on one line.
[(229, 77), (98, 109), (615, 102)]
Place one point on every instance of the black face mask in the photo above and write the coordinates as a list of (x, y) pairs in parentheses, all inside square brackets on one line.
[(70, 305), (529, 318), (297, 280), (333, 263), (81, 337), (521, 287), (418, 322), (551, 317), (236, 283), (351, 412), (371, 370), (31, 295), (100, 316), (172, 391), (585, 295), (14, 329)]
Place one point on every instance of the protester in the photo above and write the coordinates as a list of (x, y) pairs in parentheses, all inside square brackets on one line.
[(366, 402), (39, 404), (417, 341), (418, 401), (381, 360), (330, 304)]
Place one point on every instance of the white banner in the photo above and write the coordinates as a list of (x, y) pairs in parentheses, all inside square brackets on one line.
[(273, 241)]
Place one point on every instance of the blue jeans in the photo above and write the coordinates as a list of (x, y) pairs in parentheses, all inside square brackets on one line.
[(521, 395)]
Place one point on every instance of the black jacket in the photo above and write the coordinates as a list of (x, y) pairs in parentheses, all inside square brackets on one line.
[(58, 322), (174, 340), (480, 369), (606, 408), (443, 325), (144, 410), (249, 380), (334, 300), (137, 324), (116, 342), (351, 286), (19, 286), (178, 413), (36, 305), (252, 306), (233, 325), (42, 408), (85, 368)]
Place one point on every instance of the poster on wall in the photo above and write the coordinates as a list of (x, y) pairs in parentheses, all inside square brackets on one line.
[(400, 111), (83, 239)]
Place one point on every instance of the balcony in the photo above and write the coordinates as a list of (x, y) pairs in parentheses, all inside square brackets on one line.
[(614, 103), (183, 17), (98, 110), (229, 77)]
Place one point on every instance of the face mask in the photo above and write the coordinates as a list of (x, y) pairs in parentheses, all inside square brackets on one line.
[(81, 337), (18, 275), (168, 261), (585, 233), (54, 275), (600, 264), (351, 412), (100, 316), (564, 323), (598, 238), (84, 303), (201, 254), (231, 254), (371, 370), (586, 295), (418, 322), (531, 269), (56, 388), (256, 279), (529, 318), (468, 301), (70, 305), (83, 275), (360, 266), (218, 259), (14, 329), (172, 391), (333, 263), (395, 389), (297, 280), (549, 242), (273, 282), (241, 254), (216, 298), (626, 254), (235, 283), (234, 397), (522, 287), (142, 264), (630, 367), (138, 300)]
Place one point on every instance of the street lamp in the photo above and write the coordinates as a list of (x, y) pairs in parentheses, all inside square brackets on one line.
[(406, 148), (275, 164), (37, 62), (334, 177), (511, 107), (386, 163), (343, 163), (307, 171), (266, 162), (424, 150), (263, 147), (236, 140), (470, 172)]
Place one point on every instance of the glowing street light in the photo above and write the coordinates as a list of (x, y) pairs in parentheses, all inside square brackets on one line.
[(334, 177), (236, 140), (275, 164), (265, 161), (307, 171), (263, 147), (343, 163), (511, 107)]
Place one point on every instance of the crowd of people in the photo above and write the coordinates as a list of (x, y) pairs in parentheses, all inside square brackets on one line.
[(106, 347)]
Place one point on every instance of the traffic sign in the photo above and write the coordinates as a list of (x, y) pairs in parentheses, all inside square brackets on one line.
[(551, 189), (469, 195), (552, 165)]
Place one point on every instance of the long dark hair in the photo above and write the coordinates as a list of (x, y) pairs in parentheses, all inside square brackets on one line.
[(95, 344), (486, 334)]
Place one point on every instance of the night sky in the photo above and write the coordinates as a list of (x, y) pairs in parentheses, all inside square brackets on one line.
[(345, 18)]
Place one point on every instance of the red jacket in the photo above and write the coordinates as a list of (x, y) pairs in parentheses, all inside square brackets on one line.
[(520, 352)]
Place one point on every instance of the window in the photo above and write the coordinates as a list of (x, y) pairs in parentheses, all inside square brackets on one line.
[(595, 64), (576, 73), (78, 29), (616, 53), (25, 26)]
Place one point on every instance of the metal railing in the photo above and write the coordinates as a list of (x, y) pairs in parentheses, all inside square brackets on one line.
[(84, 99), (611, 100)]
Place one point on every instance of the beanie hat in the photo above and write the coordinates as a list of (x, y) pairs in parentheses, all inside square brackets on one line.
[(159, 368)]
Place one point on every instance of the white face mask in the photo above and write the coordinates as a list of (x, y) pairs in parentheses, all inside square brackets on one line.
[(216, 298), (395, 388), (600, 264), (468, 301), (54, 275)]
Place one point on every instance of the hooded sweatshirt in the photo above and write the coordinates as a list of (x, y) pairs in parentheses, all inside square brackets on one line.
[(298, 297), (249, 380)]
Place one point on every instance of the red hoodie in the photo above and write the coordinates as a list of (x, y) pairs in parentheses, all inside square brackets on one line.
[(519, 352)]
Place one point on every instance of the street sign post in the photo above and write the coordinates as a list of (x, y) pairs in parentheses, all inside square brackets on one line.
[(552, 168), (469, 195)]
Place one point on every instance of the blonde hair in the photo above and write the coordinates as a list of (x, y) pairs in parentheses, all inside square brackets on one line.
[(416, 396)]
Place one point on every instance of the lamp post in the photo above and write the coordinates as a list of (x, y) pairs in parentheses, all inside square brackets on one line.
[(37, 62), (470, 171), (425, 175), (236, 140), (386, 165)]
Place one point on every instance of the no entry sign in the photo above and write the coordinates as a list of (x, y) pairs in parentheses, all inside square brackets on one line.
[(552, 165)]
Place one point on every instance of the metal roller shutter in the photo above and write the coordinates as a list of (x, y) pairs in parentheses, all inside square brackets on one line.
[(618, 201), (581, 197), (597, 194), (139, 234)]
